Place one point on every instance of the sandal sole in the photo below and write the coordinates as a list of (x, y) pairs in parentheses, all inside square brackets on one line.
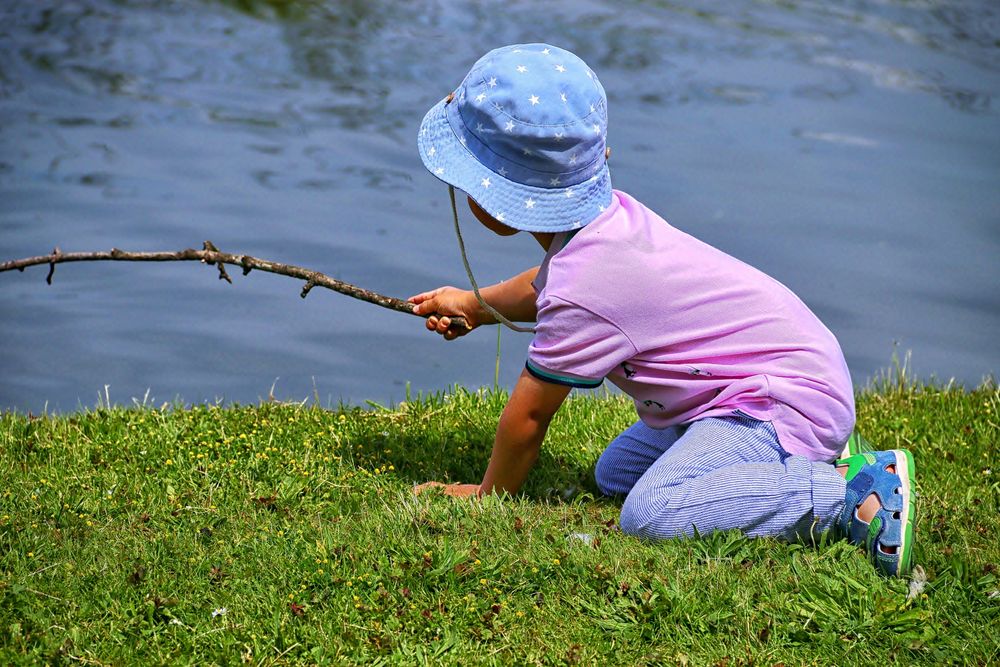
[(906, 470)]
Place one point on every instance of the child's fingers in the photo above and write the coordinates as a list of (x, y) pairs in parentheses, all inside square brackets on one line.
[(442, 326), (423, 296), (422, 303)]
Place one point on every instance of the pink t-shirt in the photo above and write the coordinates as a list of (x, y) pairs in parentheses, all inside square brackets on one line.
[(687, 331)]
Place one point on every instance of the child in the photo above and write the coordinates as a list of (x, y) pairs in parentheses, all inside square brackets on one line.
[(744, 397)]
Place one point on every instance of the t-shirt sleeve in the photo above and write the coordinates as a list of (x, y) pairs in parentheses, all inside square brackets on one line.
[(574, 346)]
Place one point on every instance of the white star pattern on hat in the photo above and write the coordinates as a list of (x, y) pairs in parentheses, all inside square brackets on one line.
[(522, 69), (533, 99), (554, 182), (492, 82), (485, 183), (431, 151), (560, 69), (480, 97), (502, 172), (529, 203), (509, 127)]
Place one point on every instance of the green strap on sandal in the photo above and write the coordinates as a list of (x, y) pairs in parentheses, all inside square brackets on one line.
[(856, 444)]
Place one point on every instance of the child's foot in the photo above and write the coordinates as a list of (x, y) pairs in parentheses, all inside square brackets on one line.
[(880, 508)]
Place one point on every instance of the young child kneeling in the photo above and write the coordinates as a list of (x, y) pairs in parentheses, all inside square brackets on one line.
[(743, 395)]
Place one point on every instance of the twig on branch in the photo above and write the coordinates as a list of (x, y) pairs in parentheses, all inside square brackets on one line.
[(212, 256)]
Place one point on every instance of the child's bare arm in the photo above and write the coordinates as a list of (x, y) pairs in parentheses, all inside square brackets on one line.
[(522, 427), (514, 299)]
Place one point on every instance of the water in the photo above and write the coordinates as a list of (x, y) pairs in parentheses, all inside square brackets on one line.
[(850, 149)]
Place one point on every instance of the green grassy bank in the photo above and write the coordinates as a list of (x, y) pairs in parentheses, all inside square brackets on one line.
[(288, 534)]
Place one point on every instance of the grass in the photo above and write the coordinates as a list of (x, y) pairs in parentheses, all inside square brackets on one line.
[(287, 534)]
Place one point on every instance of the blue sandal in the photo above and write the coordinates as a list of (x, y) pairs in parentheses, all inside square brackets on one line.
[(888, 539)]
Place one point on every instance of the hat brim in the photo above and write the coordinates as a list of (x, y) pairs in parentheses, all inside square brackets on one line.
[(524, 207)]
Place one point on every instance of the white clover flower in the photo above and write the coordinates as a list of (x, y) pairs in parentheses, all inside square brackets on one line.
[(221, 611)]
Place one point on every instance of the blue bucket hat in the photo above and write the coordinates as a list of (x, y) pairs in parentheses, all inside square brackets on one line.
[(524, 135)]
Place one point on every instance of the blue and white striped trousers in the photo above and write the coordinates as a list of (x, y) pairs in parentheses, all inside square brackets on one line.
[(717, 474)]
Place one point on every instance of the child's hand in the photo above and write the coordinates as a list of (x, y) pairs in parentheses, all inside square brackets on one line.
[(446, 301), (453, 490)]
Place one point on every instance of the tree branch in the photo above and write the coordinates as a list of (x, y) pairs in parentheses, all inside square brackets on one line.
[(214, 257)]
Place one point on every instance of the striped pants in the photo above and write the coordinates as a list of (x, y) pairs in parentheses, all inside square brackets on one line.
[(717, 474)]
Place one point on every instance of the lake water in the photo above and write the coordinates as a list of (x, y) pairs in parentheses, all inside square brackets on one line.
[(849, 149)]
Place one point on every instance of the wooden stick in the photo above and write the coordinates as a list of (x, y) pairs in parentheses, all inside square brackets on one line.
[(214, 257)]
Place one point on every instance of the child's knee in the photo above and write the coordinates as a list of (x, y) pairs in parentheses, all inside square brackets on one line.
[(612, 476), (635, 517), (604, 475), (651, 520)]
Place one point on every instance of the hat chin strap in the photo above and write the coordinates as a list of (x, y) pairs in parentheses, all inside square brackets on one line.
[(468, 270)]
